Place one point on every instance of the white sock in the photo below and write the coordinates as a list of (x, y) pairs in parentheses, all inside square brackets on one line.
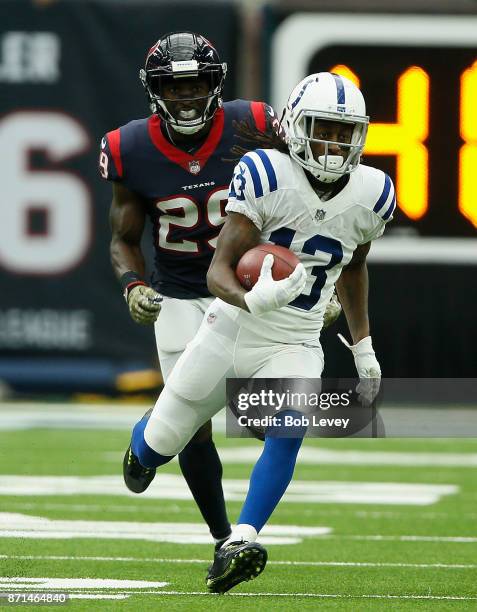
[(243, 532), (217, 540)]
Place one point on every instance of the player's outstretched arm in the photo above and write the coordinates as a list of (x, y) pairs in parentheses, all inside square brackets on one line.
[(352, 287), (127, 218), (238, 235)]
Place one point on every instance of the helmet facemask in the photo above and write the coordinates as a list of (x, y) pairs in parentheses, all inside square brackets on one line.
[(154, 80), (326, 167)]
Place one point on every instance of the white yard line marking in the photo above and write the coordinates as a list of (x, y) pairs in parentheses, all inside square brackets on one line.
[(95, 596), (316, 595), (205, 561), (15, 525), (79, 595), (171, 486), (323, 456), (59, 584), (86, 595), (426, 515), (17, 416), (129, 509), (405, 538), (174, 508)]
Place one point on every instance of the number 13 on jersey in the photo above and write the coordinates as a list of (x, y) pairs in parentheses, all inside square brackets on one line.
[(284, 237)]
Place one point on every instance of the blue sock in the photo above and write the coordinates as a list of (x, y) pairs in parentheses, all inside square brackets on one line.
[(272, 474), (147, 456)]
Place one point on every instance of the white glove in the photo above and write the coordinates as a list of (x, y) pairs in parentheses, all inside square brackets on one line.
[(268, 294), (144, 304), (368, 368), (332, 312)]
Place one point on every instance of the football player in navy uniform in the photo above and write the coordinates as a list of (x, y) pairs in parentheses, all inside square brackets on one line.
[(172, 167)]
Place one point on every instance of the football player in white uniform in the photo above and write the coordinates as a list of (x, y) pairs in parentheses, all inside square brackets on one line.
[(313, 196), (181, 146)]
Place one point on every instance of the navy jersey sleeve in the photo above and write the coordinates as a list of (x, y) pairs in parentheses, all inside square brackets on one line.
[(265, 118), (110, 162)]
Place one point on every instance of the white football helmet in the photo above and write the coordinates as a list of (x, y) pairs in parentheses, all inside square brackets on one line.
[(325, 96)]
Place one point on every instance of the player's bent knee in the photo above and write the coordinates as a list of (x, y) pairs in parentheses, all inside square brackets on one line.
[(165, 439)]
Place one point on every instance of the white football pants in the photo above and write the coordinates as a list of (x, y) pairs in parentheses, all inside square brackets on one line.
[(177, 324), (195, 389)]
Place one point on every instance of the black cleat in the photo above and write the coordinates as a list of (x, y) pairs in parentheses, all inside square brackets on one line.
[(235, 563), (219, 543), (136, 476), (217, 546)]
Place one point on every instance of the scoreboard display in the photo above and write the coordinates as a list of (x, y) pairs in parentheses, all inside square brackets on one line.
[(419, 78)]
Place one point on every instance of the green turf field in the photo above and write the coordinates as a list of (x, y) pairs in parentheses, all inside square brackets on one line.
[(391, 525)]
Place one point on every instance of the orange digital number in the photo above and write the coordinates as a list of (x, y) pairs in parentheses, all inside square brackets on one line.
[(404, 139), (468, 152)]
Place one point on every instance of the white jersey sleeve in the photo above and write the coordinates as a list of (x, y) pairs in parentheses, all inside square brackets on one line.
[(381, 197), (253, 178)]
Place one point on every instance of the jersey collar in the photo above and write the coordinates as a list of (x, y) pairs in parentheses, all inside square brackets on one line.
[(333, 206), (191, 163)]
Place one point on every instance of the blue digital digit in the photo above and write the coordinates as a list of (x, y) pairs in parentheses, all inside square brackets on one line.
[(284, 237)]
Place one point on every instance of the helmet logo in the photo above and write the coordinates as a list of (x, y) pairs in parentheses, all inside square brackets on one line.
[(320, 214), (185, 68), (194, 167), (302, 91), (340, 90)]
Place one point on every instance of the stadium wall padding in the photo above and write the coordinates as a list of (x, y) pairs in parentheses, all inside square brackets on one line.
[(69, 72)]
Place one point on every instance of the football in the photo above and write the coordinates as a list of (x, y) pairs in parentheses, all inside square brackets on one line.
[(250, 264)]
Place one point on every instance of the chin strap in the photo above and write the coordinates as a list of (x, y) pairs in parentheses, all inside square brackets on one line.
[(186, 129), (332, 162)]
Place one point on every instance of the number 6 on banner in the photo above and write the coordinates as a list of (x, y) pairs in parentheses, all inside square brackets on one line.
[(60, 195)]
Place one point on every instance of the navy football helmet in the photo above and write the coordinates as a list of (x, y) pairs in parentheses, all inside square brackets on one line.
[(183, 55)]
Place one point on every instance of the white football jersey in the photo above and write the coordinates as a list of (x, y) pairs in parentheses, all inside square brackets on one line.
[(273, 191)]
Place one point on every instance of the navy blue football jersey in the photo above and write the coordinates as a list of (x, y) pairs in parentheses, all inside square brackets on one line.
[(185, 193)]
